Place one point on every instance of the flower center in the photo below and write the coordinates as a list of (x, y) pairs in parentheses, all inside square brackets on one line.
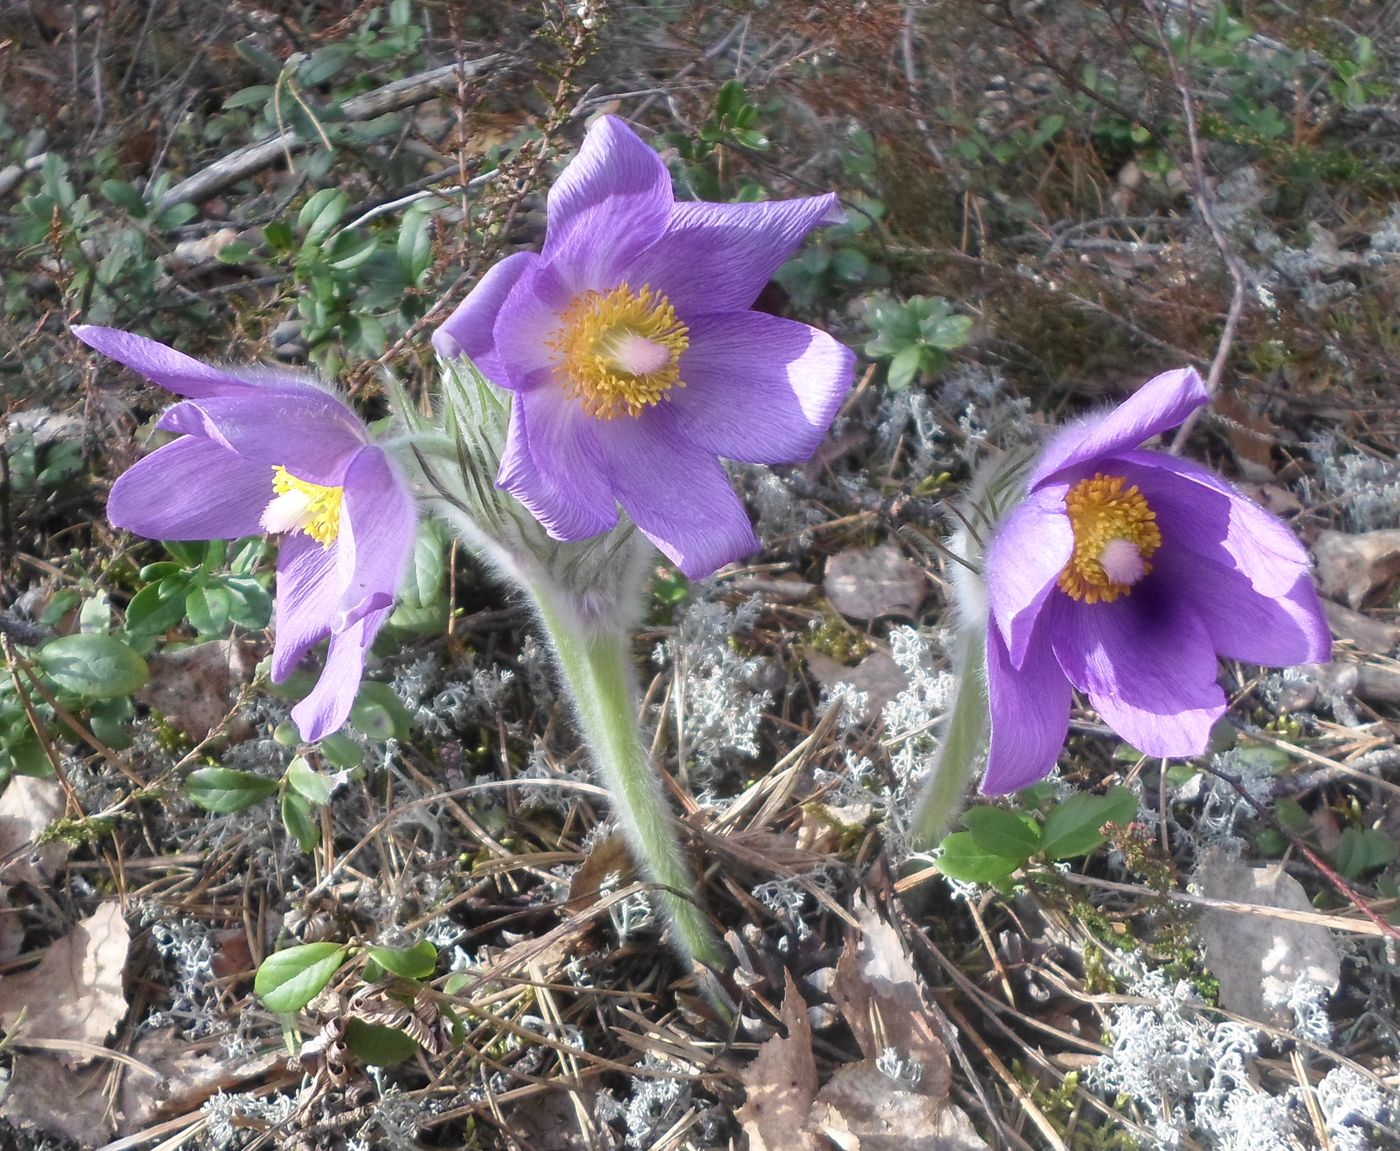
[(299, 506), (620, 352), (1115, 534)]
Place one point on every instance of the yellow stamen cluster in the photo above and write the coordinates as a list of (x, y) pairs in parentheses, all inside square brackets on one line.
[(1104, 516), (620, 351), (299, 505)]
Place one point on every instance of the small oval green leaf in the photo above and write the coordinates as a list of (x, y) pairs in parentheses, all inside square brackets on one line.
[(416, 962), (223, 790), (288, 980), (93, 665)]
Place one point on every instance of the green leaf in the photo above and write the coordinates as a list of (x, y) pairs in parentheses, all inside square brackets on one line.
[(223, 790), (376, 1045), (278, 236), (1361, 851), (124, 196), (307, 782), (208, 609), (416, 962), (257, 94), (341, 751), (321, 213), (997, 831), (296, 818), (94, 666), (962, 858), (288, 980), (378, 712), (1072, 828), (415, 247), (904, 367)]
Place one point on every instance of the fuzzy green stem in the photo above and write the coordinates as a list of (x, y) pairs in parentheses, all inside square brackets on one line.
[(964, 738), (598, 671)]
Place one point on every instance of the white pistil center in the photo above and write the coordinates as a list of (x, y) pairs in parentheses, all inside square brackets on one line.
[(1122, 562), (289, 512), (635, 355)]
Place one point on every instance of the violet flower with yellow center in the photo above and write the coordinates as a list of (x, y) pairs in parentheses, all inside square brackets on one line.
[(263, 451), (634, 357), (1125, 573)]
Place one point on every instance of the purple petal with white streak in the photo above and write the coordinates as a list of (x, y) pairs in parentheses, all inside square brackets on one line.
[(611, 202), (378, 523), (311, 581), (1024, 561), (1161, 403), (759, 388), (719, 257), (192, 489)]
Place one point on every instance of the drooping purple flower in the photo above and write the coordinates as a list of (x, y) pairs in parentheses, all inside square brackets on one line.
[(634, 357), (1125, 573), (264, 451)]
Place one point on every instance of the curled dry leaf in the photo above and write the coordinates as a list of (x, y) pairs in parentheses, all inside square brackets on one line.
[(866, 583), (27, 807), (46, 1095), (75, 993), (1259, 959)]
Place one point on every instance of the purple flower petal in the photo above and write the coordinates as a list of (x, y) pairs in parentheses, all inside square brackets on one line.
[(1276, 630), (377, 528), (311, 581), (552, 464), (468, 331), (759, 388), (178, 372), (313, 435), (1161, 403), (676, 493), (192, 489), (328, 704), (611, 202), (1025, 558), (717, 257), (1146, 664), (1029, 714), (529, 319), (1198, 510)]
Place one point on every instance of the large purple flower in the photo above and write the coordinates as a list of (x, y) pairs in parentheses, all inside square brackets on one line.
[(1124, 573), (263, 451), (634, 357)]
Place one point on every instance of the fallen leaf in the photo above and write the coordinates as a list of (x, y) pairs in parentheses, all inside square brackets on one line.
[(75, 993), (866, 583), (1251, 435), (782, 1083), (174, 1078), (877, 990), (27, 808), (1366, 634), (863, 1109), (194, 687), (44, 1094), (1257, 959), (1350, 567), (877, 675), (610, 860)]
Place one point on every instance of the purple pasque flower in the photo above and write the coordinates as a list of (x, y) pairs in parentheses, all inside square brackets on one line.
[(264, 451), (634, 357), (1125, 573)]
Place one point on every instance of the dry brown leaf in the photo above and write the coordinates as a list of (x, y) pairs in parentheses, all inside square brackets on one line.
[(27, 807), (609, 860), (863, 1109), (877, 990), (177, 1079), (194, 687), (1367, 634), (877, 675), (781, 1083), (43, 1093), (1252, 435), (1350, 567), (1257, 959), (75, 993), (866, 583)]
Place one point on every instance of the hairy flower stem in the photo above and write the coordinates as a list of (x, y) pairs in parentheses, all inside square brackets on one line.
[(964, 739), (597, 669)]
